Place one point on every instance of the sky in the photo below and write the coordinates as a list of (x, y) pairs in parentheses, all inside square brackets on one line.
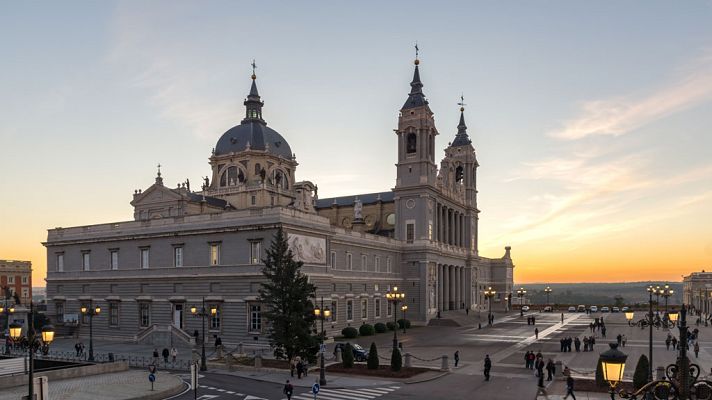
[(592, 121)]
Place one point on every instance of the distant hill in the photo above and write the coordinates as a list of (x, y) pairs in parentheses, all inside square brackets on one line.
[(596, 293)]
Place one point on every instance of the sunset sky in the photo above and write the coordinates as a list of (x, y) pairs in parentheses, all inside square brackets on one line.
[(592, 121)]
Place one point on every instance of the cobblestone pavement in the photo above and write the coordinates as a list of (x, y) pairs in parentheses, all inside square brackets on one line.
[(118, 386)]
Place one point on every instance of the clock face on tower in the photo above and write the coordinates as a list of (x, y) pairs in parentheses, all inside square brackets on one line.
[(410, 203)]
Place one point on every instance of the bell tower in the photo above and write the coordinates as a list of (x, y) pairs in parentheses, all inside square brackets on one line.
[(416, 138)]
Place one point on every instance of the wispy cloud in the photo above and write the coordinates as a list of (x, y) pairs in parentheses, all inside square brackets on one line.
[(620, 115)]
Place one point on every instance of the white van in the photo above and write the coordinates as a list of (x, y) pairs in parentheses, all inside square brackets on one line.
[(594, 309), (581, 308)]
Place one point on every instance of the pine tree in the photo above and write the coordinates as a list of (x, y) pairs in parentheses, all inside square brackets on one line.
[(640, 377), (373, 357), (348, 356), (286, 300)]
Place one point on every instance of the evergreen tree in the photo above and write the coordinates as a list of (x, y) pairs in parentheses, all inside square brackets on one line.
[(286, 300), (396, 361), (373, 357), (640, 377)]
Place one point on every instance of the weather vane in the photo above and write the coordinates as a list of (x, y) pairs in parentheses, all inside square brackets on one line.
[(159, 169), (462, 102), (254, 66), (416, 50)]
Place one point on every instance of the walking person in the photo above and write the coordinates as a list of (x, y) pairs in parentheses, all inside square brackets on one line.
[(155, 356), (550, 370), (526, 360), (288, 390), (536, 333), (488, 367), (457, 357), (697, 349), (165, 353), (540, 388), (570, 387), (174, 354), (624, 339), (674, 343)]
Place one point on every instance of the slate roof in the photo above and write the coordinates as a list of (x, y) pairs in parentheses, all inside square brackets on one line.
[(368, 198), (416, 98), (213, 201)]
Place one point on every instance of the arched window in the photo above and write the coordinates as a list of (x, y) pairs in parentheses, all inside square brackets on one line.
[(411, 143), (258, 168), (459, 171)]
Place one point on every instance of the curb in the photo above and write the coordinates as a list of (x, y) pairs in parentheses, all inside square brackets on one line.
[(410, 382), (173, 391)]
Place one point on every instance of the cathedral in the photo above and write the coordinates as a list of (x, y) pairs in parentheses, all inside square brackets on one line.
[(185, 247)]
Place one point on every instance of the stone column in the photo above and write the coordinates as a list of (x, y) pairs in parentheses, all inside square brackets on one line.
[(446, 288), (453, 290), (436, 222), (440, 287), (457, 228)]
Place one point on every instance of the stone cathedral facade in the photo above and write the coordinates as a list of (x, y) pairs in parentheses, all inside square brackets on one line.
[(186, 246)]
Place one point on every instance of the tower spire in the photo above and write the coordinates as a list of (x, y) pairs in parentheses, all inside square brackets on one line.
[(462, 138), (253, 103), (416, 98)]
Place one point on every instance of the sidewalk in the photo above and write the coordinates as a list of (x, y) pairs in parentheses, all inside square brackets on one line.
[(557, 390), (333, 381), (132, 384)]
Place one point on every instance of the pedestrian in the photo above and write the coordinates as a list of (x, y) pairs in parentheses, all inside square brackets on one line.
[(667, 342), (603, 330), (577, 344), (299, 365), (674, 343), (550, 370), (533, 320), (697, 349), (562, 318), (467, 311), (540, 367), (288, 390), (540, 388), (218, 342), (570, 387), (624, 339), (315, 389), (457, 357), (526, 360), (619, 339), (174, 353), (165, 353), (536, 333), (293, 365), (76, 348), (155, 356), (488, 367)]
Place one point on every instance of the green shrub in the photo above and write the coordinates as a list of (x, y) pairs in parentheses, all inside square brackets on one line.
[(396, 361), (391, 326), (640, 377), (380, 327), (350, 332), (348, 356), (373, 356), (366, 330), (402, 322)]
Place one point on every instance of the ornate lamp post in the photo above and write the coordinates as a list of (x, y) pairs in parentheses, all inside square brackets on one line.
[(202, 313), (393, 296), (34, 342), (613, 363), (656, 292), (489, 294), (7, 311), (521, 293), (322, 313), (404, 308), (91, 312), (681, 381), (666, 292), (547, 290)]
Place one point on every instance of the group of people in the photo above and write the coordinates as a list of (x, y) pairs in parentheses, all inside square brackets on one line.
[(299, 366), (79, 349), (531, 320), (173, 353), (621, 339)]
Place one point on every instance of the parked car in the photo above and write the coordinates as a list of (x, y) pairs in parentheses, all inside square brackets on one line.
[(525, 308), (624, 309), (615, 309), (605, 309), (360, 354), (581, 308), (594, 309), (572, 309), (548, 309)]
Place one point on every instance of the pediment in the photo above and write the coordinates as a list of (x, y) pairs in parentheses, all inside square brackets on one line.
[(156, 194)]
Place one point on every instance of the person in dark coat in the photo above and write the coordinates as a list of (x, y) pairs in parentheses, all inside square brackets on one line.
[(488, 367), (165, 353), (550, 370), (570, 387), (288, 390)]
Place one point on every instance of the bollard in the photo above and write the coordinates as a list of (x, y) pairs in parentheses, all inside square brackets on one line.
[(239, 348), (444, 366), (559, 367), (258, 361), (408, 362), (338, 355), (660, 373)]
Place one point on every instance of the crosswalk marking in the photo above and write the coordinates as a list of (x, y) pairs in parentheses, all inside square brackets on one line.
[(347, 394)]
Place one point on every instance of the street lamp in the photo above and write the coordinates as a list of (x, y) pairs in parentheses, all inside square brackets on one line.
[(202, 313), (34, 342), (404, 308), (612, 364), (657, 292), (322, 314), (7, 311), (666, 292), (521, 293), (91, 312), (547, 290), (393, 296), (489, 293)]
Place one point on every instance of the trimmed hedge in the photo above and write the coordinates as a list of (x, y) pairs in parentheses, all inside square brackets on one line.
[(350, 332), (373, 357), (380, 327), (640, 377), (366, 330), (391, 326), (396, 361), (348, 355), (402, 321)]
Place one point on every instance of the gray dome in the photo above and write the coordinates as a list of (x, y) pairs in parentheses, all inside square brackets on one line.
[(258, 135)]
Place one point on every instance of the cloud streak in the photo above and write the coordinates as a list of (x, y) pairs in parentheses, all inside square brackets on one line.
[(618, 116)]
